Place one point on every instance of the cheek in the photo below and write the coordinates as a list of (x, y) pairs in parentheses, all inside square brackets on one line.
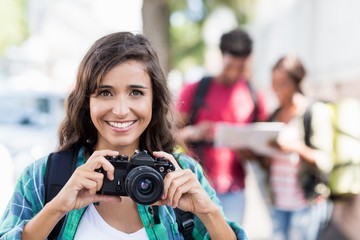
[(148, 110), (276, 88), (279, 92), (96, 110)]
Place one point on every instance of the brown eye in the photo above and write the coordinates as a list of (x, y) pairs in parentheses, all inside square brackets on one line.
[(105, 93), (136, 93)]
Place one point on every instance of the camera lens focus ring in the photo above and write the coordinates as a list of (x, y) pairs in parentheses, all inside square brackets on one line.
[(144, 185)]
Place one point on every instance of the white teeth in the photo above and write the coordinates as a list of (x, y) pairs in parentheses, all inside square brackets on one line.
[(121, 125)]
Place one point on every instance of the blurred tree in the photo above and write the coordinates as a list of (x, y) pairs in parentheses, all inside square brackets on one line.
[(155, 15), (175, 27), (13, 24)]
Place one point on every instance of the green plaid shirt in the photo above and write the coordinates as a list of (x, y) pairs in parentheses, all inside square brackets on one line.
[(28, 200)]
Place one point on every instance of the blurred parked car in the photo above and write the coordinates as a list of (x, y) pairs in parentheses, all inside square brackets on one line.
[(29, 121), (7, 179)]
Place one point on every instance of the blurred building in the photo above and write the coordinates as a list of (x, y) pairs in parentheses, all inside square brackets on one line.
[(60, 33), (323, 33), (7, 178)]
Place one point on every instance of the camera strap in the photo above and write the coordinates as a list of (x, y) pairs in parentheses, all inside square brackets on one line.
[(185, 222)]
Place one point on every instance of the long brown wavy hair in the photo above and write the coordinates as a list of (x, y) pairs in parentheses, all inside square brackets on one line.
[(107, 52)]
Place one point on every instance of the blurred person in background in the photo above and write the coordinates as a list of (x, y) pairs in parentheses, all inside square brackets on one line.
[(229, 97), (297, 210), (120, 103)]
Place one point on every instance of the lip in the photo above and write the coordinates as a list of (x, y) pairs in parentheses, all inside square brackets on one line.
[(120, 126)]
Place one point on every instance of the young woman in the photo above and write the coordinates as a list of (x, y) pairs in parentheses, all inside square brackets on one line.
[(120, 103), (296, 213)]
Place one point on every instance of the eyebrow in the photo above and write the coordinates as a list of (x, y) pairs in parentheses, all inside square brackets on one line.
[(138, 86), (130, 86)]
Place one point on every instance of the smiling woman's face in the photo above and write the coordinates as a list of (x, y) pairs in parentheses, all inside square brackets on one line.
[(283, 86), (121, 108)]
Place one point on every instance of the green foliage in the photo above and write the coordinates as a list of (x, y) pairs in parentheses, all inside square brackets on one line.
[(13, 23), (187, 45), (242, 8)]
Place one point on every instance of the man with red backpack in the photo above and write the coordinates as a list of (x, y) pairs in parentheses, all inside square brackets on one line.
[(227, 97)]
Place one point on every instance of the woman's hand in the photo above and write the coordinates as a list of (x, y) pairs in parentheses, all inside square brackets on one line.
[(246, 153), (81, 188), (183, 190), (290, 146)]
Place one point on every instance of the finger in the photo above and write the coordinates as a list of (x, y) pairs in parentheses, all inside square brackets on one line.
[(176, 193), (102, 153), (175, 183), (177, 186), (94, 158), (168, 157), (168, 180), (89, 185), (86, 172), (96, 177), (107, 167), (99, 178), (82, 176), (180, 191), (101, 162), (160, 202)]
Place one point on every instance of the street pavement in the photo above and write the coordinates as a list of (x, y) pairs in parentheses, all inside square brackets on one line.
[(257, 221)]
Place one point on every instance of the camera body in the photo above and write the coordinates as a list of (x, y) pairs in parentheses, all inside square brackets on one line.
[(141, 177)]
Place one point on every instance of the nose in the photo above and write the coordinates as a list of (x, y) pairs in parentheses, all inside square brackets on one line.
[(121, 108)]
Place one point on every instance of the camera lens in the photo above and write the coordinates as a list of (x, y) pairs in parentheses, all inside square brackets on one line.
[(144, 185)]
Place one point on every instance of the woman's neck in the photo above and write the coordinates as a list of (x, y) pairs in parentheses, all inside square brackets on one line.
[(127, 150)]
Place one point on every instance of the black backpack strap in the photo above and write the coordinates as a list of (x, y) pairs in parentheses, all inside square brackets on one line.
[(203, 88), (185, 222), (273, 115), (199, 96), (307, 125), (255, 101), (59, 168)]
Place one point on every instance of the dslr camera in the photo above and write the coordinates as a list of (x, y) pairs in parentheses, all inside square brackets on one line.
[(141, 177)]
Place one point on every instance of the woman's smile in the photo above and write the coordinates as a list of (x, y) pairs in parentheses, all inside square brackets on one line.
[(121, 125)]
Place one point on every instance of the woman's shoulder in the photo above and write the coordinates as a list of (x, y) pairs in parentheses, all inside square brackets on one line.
[(320, 105), (185, 161), (317, 108), (35, 168), (30, 184)]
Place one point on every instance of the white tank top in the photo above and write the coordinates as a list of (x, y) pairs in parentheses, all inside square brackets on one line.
[(93, 226)]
